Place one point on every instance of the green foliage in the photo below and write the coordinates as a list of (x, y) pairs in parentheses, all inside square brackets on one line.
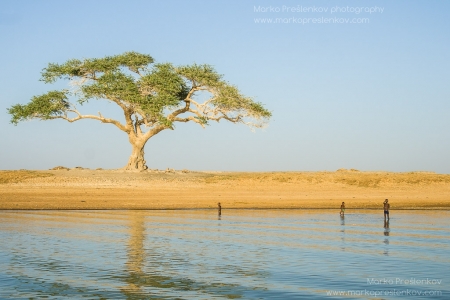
[(229, 98), (45, 107), (163, 88), (200, 75), (112, 85), (202, 120), (148, 93), (90, 68), (164, 121)]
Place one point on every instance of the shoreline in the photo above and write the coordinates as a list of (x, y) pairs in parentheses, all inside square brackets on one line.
[(212, 209), (83, 189)]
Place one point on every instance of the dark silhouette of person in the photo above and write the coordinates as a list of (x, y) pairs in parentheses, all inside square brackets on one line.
[(342, 209), (219, 209), (386, 207)]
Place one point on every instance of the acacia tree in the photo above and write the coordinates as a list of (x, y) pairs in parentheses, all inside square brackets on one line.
[(152, 96)]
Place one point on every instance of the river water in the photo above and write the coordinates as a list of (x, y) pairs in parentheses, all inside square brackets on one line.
[(247, 254)]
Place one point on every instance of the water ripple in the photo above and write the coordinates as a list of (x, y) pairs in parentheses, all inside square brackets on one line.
[(252, 254)]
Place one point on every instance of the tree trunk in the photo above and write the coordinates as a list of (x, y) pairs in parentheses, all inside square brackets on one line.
[(136, 162)]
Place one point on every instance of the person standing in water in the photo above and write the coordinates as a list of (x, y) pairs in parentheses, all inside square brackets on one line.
[(219, 209), (386, 207), (342, 209)]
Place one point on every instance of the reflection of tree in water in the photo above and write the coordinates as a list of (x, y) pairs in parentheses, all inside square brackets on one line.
[(136, 254), (142, 284)]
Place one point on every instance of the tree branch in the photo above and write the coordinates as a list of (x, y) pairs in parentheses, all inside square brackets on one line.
[(188, 100), (154, 131), (172, 116), (99, 118), (190, 118)]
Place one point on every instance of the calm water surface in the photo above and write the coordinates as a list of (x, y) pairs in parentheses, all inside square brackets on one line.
[(248, 254)]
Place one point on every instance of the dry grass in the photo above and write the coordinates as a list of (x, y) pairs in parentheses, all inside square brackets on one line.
[(20, 176), (351, 178)]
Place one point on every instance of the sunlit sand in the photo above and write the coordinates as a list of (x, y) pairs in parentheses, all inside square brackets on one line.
[(116, 189)]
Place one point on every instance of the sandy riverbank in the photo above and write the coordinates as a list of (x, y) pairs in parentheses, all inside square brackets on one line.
[(116, 189)]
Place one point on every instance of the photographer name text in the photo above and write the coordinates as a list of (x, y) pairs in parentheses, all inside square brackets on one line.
[(409, 281)]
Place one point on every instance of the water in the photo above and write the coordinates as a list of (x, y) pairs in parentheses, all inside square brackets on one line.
[(248, 254)]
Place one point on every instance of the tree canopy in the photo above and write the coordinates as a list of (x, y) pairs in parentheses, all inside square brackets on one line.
[(153, 96)]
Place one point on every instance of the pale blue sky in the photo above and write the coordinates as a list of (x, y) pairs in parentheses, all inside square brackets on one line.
[(373, 96)]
